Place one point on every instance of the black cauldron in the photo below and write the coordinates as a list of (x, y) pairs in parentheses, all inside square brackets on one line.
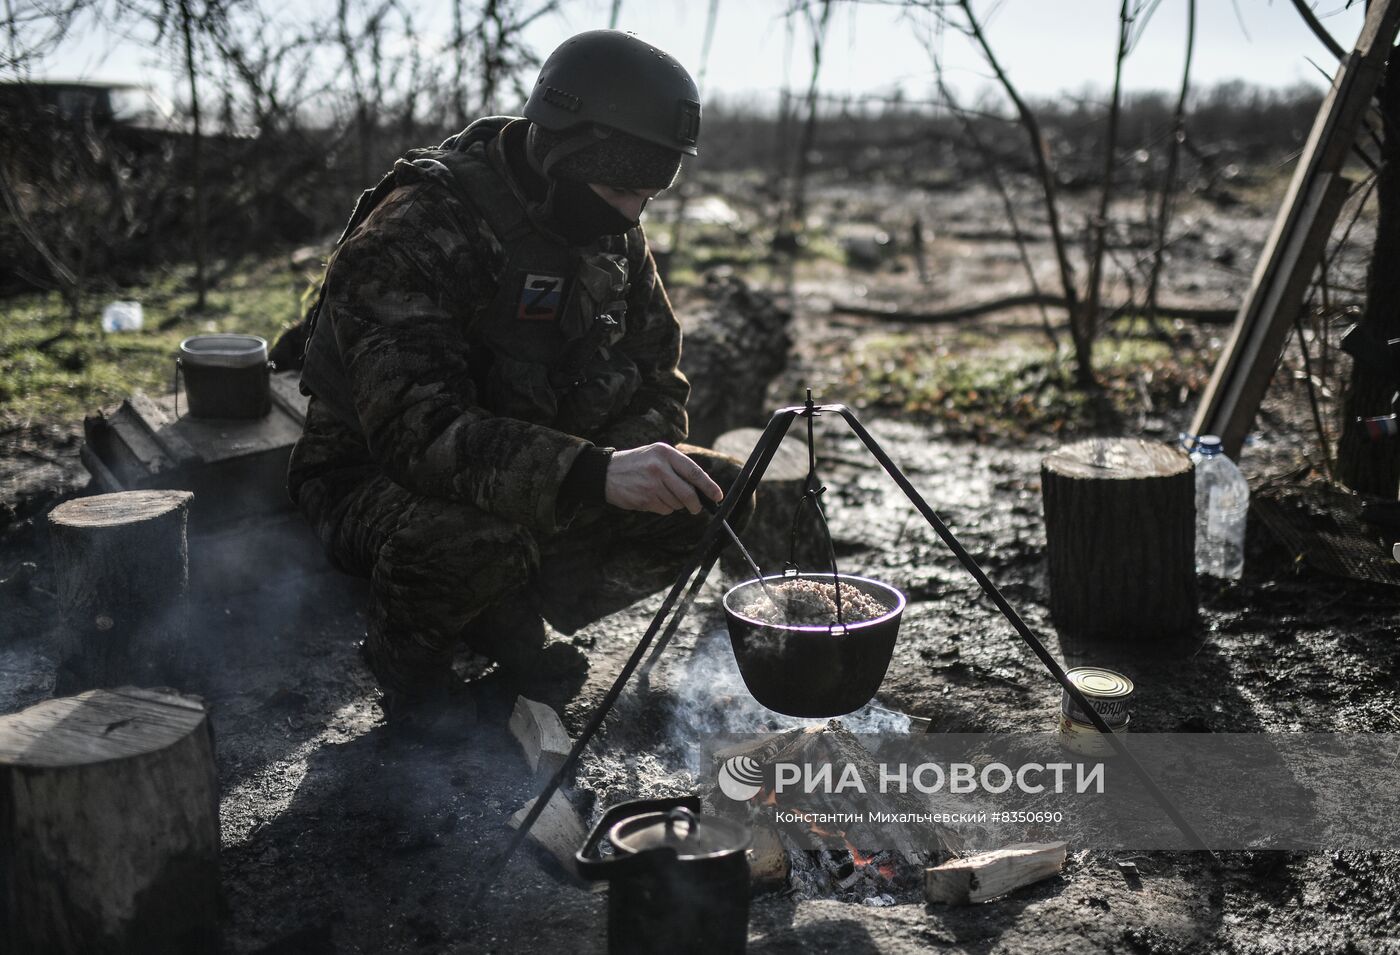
[(814, 671), (678, 881)]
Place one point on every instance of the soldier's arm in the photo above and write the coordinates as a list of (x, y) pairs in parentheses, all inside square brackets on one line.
[(653, 342), (399, 292)]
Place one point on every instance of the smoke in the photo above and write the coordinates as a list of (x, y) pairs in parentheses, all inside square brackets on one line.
[(709, 698)]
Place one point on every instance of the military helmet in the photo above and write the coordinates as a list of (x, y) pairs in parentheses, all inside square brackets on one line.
[(615, 80)]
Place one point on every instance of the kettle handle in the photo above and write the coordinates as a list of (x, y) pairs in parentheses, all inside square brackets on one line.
[(592, 866)]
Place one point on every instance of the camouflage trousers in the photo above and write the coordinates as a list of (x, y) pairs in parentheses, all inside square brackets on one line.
[(435, 566)]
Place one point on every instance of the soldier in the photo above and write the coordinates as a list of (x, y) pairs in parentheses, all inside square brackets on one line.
[(492, 436)]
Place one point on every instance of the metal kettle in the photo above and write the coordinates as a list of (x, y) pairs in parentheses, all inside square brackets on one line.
[(678, 880)]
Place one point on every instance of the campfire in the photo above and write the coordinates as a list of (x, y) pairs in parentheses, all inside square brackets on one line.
[(815, 858)]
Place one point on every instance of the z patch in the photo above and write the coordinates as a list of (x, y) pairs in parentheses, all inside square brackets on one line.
[(540, 298)]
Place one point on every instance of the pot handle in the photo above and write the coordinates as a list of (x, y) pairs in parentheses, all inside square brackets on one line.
[(593, 866)]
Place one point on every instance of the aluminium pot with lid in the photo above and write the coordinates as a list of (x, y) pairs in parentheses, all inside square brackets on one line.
[(678, 880), (226, 375)]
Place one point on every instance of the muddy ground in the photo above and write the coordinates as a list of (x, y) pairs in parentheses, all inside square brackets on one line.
[(341, 836)]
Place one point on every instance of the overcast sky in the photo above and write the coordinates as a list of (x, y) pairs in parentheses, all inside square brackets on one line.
[(1047, 46)]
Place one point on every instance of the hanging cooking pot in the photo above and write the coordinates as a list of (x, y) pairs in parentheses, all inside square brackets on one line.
[(678, 881), (814, 671)]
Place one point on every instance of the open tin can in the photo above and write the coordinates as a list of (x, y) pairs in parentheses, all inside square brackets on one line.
[(1108, 692)]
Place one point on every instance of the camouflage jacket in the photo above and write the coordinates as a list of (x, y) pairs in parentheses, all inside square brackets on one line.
[(471, 365)]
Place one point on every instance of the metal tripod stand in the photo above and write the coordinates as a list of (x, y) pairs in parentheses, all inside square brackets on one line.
[(708, 552)]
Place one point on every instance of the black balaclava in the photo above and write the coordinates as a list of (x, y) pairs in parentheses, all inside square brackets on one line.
[(612, 158)]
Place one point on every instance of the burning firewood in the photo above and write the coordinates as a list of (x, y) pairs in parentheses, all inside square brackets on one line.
[(540, 733), (835, 744), (987, 875)]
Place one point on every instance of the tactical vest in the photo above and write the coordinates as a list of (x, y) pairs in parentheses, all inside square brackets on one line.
[(541, 344)]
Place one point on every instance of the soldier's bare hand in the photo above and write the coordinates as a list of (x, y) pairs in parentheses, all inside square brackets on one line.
[(659, 479)]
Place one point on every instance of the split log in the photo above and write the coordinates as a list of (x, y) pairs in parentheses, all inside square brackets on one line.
[(1120, 540), (768, 860), (769, 531), (736, 343), (109, 825), (542, 737), (558, 831), (122, 567), (988, 875)]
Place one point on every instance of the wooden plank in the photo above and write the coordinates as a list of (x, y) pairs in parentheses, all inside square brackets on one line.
[(988, 875), (159, 422), (218, 440), (1246, 366), (538, 730), (137, 440), (1299, 236), (286, 394), (103, 478)]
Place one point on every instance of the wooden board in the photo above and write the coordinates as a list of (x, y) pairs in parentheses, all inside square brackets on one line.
[(236, 469), (243, 529), (1296, 244)]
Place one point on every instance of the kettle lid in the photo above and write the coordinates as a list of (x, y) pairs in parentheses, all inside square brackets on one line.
[(689, 835)]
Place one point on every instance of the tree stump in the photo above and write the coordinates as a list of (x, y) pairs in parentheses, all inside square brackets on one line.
[(1120, 529), (769, 531), (121, 562), (109, 825)]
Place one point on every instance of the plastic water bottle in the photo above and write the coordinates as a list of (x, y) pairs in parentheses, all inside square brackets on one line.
[(122, 317), (1222, 504)]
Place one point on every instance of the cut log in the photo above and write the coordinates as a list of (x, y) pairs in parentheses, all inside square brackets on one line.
[(109, 826), (736, 343), (988, 875), (122, 568), (542, 737), (1120, 541), (558, 831), (769, 531)]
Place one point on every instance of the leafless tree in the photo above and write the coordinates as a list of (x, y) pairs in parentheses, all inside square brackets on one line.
[(1169, 178), (818, 18)]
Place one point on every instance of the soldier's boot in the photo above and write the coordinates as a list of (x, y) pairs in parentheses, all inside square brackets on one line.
[(420, 695), (511, 632)]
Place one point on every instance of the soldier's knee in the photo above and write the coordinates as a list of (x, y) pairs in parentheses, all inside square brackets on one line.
[(454, 550)]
